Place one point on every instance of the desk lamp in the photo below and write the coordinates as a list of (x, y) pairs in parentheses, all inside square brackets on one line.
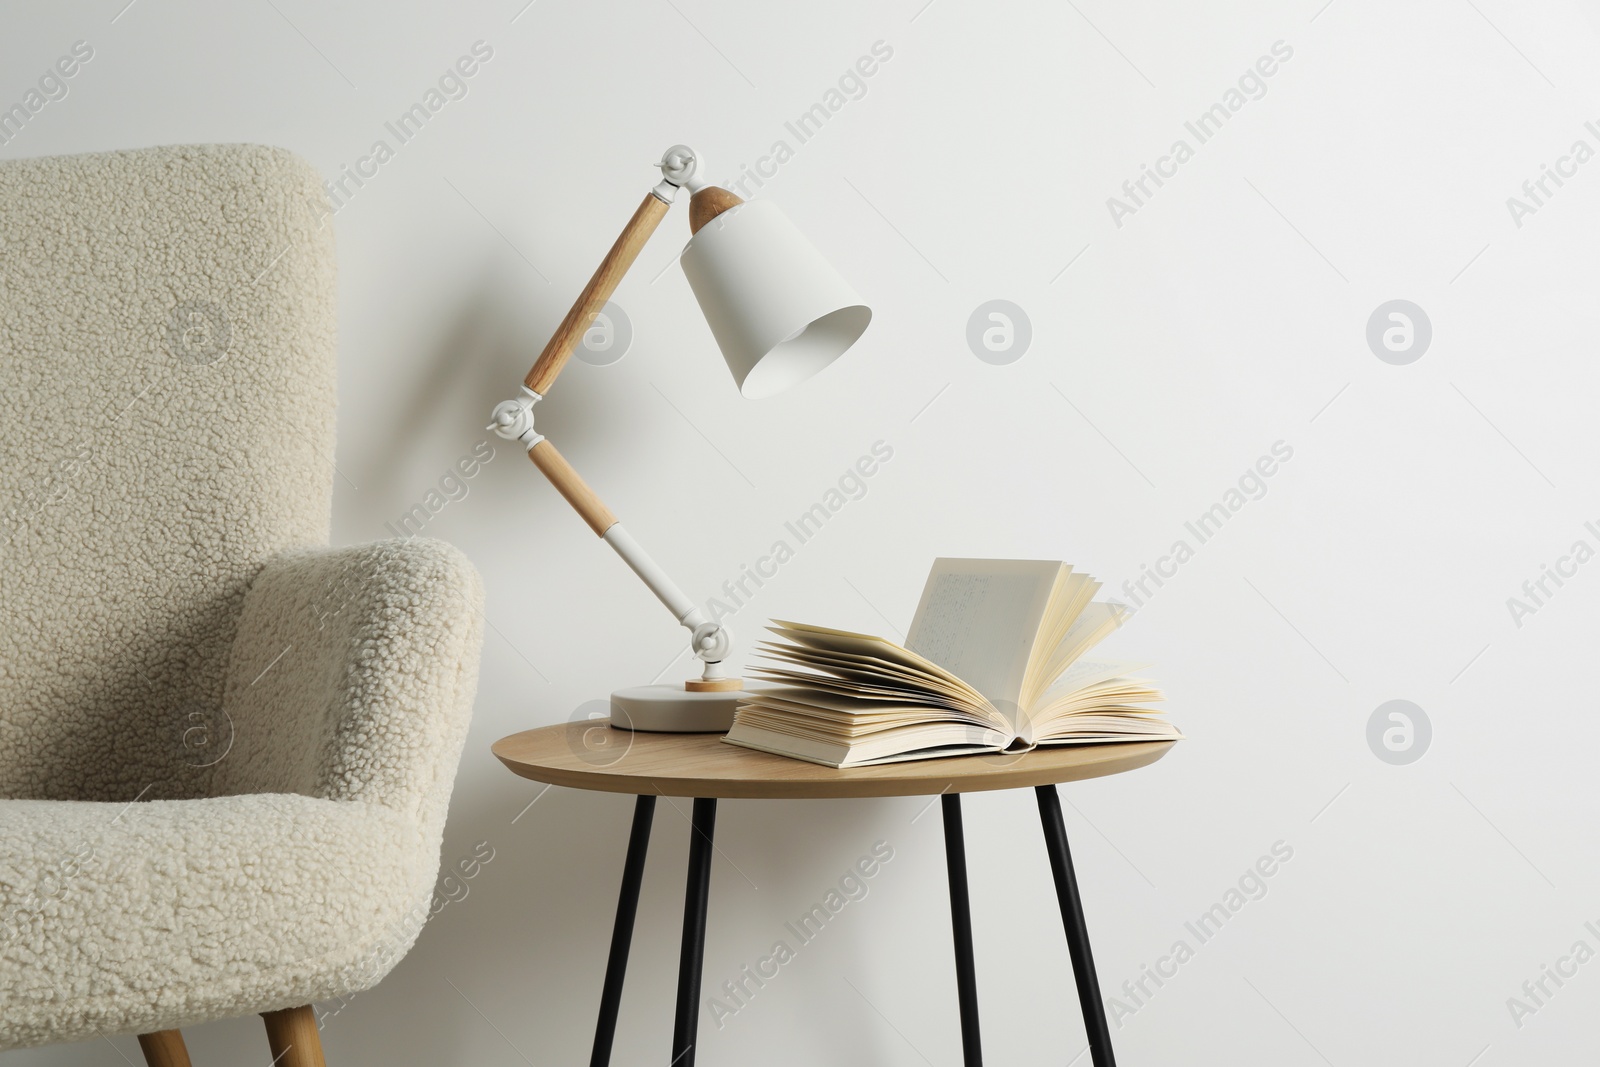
[(778, 311)]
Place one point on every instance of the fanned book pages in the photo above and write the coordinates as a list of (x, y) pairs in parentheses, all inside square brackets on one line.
[(994, 662)]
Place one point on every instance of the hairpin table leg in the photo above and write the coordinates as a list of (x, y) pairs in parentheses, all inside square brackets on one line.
[(955, 857), (1094, 1011), (692, 956), (622, 932)]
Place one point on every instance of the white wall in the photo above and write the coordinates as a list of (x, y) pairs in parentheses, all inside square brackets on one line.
[(1226, 314)]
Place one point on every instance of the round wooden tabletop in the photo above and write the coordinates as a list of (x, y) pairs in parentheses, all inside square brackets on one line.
[(592, 755)]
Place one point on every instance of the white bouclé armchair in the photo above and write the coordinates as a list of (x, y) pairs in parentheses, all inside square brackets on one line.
[(226, 750)]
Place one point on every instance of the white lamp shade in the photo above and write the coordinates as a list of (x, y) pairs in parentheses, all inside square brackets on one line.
[(778, 310)]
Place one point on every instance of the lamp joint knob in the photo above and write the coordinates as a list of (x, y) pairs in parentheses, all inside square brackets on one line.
[(681, 167), (513, 419)]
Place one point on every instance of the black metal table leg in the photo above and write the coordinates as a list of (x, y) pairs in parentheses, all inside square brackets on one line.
[(955, 858), (1094, 1011), (691, 958), (622, 932)]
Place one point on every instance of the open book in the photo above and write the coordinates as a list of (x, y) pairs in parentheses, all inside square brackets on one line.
[(992, 663)]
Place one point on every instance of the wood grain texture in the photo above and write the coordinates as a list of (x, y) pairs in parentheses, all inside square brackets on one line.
[(708, 203), (594, 296), (164, 1048), (292, 1033), (714, 685), (570, 485), (703, 765)]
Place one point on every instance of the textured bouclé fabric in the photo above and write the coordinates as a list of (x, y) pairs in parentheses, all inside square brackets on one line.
[(226, 750)]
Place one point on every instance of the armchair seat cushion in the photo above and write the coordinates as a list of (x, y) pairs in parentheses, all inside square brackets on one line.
[(160, 914)]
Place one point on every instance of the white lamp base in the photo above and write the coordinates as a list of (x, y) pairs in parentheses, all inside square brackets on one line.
[(673, 709)]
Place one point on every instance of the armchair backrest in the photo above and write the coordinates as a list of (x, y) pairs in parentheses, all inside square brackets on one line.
[(167, 343)]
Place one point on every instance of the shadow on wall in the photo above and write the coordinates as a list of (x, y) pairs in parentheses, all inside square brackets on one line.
[(525, 944), (536, 922), (478, 358)]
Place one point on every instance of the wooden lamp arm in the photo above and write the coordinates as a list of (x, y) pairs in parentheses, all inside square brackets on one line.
[(594, 296), (571, 486), (584, 500), (709, 641), (514, 418)]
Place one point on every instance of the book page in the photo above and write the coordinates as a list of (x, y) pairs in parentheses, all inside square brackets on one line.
[(877, 656), (1089, 672), (1073, 594), (1096, 622), (979, 620)]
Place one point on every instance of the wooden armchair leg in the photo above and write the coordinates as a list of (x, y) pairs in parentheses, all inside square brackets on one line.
[(292, 1034), (164, 1048)]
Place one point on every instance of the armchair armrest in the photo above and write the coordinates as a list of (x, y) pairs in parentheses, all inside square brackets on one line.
[(352, 676)]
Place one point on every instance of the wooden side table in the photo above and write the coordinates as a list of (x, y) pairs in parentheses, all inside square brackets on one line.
[(591, 755)]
